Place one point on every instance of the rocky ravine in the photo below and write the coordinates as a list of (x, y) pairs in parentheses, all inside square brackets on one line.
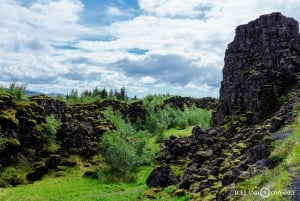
[(27, 149), (262, 64)]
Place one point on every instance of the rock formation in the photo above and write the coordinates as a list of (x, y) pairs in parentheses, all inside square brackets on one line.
[(259, 92), (261, 65)]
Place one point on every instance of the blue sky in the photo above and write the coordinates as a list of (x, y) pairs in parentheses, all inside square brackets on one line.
[(148, 46)]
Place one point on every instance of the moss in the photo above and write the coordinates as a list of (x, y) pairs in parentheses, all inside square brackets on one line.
[(276, 118), (227, 154), (50, 148), (13, 142), (212, 177), (39, 127), (217, 185), (241, 145), (236, 151), (243, 119), (199, 177), (31, 122), (297, 107), (236, 161), (9, 115), (3, 183), (224, 190), (225, 166)]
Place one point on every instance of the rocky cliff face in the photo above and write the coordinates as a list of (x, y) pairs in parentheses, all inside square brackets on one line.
[(261, 64), (22, 123)]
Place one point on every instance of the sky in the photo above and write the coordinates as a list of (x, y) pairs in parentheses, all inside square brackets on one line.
[(146, 46)]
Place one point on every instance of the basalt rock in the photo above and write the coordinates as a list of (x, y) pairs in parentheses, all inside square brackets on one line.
[(261, 64), (51, 106), (261, 70), (161, 176), (179, 102)]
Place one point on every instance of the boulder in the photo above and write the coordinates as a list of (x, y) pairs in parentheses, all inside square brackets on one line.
[(162, 176), (37, 173)]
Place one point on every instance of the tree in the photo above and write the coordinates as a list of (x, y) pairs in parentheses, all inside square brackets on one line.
[(103, 93), (118, 153), (123, 95), (17, 91)]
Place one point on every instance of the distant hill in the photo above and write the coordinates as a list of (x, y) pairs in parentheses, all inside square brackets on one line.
[(33, 93)]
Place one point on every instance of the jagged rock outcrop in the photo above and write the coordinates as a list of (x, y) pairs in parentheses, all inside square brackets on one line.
[(51, 106), (259, 95), (261, 65), (179, 102), (22, 123)]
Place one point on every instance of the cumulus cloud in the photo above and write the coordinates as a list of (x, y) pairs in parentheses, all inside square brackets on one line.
[(172, 69), (176, 8), (114, 11), (154, 46)]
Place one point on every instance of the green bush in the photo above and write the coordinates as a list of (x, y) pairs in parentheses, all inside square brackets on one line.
[(50, 131), (118, 153), (282, 99), (124, 149), (123, 126), (170, 117), (17, 91)]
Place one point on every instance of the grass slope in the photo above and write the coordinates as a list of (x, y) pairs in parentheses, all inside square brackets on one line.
[(70, 185)]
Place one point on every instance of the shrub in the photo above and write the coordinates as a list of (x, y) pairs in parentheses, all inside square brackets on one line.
[(123, 126), (50, 131), (118, 153), (170, 117), (17, 91), (282, 99)]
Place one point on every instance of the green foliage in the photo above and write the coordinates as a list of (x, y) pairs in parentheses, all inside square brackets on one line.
[(282, 99), (119, 154), (51, 126), (15, 175), (95, 95), (159, 120), (155, 100), (17, 91), (122, 125), (281, 149), (3, 140), (9, 115), (2, 90), (285, 152), (60, 97), (124, 149)]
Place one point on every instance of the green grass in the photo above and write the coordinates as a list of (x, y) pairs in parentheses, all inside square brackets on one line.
[(73, 186), (154, 146), (70, 185)]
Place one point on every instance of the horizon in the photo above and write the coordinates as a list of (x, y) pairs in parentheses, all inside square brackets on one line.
[(146, 46)]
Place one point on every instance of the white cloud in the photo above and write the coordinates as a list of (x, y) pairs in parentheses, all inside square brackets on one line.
[(185, 43), (114, 11), (147, 80), (176, 8)]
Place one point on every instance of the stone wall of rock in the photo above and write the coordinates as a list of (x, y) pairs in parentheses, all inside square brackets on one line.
[(205, 103), (261, 64)]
